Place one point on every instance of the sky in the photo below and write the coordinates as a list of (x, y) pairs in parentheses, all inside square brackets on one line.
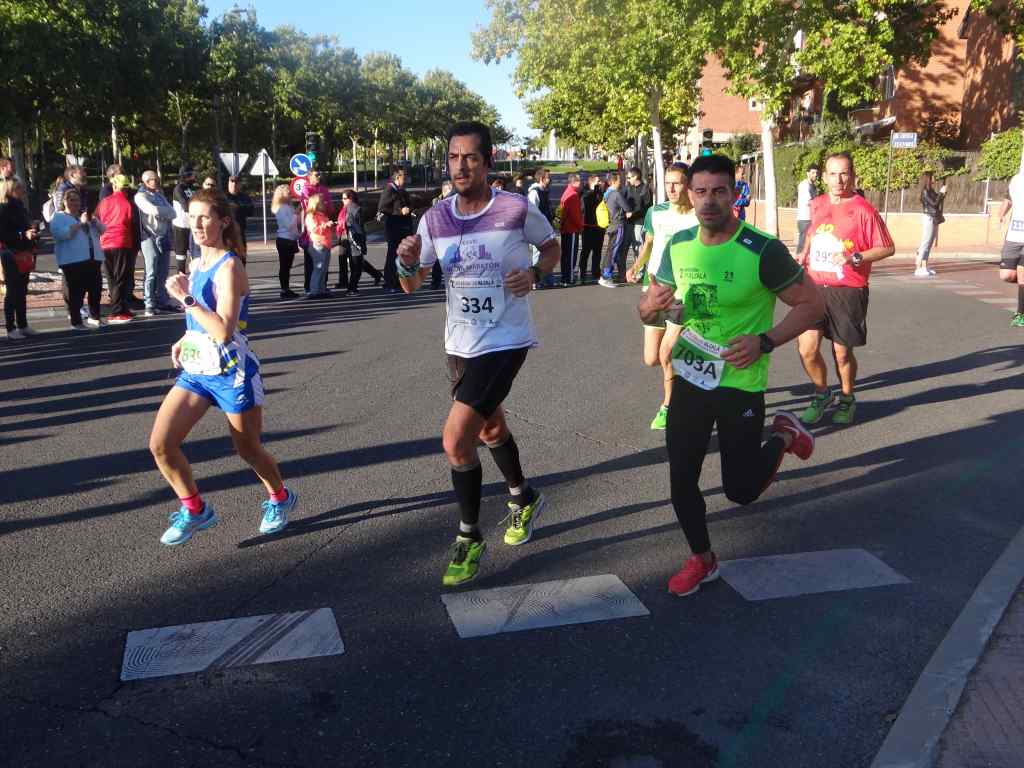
[(424, 40)]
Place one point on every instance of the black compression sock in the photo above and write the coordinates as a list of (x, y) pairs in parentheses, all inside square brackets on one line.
[(1020, 299), (506, 456), (468, 482)]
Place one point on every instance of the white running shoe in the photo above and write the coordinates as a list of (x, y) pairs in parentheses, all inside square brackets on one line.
[(923, 272), (604, 282)]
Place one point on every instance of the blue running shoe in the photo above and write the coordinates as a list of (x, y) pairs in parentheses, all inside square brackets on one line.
[(275, 514), (183, 525)]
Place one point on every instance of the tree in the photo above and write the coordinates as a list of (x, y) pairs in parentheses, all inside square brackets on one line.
[(846, 46), (603, 70)]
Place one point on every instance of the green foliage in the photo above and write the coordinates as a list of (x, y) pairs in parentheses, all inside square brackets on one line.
[(1000, 155), (741, 144)]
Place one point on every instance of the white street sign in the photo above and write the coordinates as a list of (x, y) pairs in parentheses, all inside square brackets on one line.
[(234, 161), (904, 140), (263, 165)]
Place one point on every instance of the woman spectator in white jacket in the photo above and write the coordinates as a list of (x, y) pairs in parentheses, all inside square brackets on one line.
[(283, 207), (79, 256)]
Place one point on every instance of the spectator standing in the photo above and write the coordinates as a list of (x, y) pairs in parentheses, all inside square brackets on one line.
[(351, 229), (639, 198), (209, 183), (6, 168), (313, 187), (396, 207), (931, 204), (241, 205), (155, 217), (321, 240), (17, 245), (615, 255), (571, 227), (539, 195), (119, 241), (75, 178), (79, 255), (519, 184), (107, 189), (181, 234), (593, 232), (806, 191), (283, 207), (742, 194)]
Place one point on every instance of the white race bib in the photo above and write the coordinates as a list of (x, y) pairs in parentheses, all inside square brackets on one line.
[(699, 361), (476, 300), (823, 247), (200, 355)]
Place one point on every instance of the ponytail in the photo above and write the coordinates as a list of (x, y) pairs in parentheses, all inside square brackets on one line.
[(221, 206)]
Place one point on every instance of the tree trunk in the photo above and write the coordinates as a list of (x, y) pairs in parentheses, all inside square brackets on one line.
[(158, 171), (374, 158), (355, 164), (771, 212), (654, 107), (113, 141)]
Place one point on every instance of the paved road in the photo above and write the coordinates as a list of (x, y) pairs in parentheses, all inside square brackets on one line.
[(356, 395)]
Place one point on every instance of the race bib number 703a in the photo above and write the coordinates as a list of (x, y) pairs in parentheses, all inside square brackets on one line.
[(698, 360)]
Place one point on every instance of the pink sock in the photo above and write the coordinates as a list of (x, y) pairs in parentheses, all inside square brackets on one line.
[(279, 496), (194, 504)]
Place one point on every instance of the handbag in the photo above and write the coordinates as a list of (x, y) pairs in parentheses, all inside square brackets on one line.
[(25, 261)]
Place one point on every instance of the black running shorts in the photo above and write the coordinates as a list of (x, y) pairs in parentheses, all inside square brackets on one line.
[(1012, 255), (484, 382), (846, 315)]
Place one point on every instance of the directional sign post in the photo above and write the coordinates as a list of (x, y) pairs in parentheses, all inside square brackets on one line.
[(300, 165), (896, 141), (234, 161), (263, 166)]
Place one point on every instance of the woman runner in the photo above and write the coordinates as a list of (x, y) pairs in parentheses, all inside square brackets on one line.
[(218, 369)]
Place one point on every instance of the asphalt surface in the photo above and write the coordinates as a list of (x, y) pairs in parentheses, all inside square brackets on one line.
[(926, 480)]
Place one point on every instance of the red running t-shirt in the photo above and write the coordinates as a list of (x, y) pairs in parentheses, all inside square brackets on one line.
[(848, 227)]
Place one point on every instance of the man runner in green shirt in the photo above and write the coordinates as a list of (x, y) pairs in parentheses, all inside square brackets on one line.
[(662, 221), (718, 282)]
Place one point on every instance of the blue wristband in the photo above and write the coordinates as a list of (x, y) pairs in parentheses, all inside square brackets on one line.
[(404, 271)]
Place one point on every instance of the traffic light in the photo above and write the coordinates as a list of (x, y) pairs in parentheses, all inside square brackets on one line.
[(312, 145), (707, 144)]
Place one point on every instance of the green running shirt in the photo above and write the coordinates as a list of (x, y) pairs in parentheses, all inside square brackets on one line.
[(726, 291)]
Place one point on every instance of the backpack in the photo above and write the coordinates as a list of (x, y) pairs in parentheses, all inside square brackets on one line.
[(603, 215), (49, 210)]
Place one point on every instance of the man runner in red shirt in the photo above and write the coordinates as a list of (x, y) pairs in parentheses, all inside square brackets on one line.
[(846, 237)]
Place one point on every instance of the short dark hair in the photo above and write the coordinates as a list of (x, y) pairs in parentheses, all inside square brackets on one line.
[(634, 171), (482, 133), (712, 164), (397, 169), (351, 194), (844, 155)]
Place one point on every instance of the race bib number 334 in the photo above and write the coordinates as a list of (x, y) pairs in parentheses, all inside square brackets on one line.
[(476, 301)]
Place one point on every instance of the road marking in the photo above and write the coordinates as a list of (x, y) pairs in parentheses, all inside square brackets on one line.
[(213, 645), (807, 573), (1003, 300), (977, 293), (535, 606)]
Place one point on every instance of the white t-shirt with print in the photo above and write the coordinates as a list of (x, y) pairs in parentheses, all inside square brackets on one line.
[(1015, 234), (476, 252)]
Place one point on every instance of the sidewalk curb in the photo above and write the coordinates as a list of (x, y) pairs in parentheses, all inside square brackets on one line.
[(914, 738)]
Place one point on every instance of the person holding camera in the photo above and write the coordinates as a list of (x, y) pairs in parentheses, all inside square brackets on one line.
[(931, 204)]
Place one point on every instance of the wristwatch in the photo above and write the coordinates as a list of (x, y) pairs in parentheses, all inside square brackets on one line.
[(767, 345), (538, 278), (856, 259), (189, 300)]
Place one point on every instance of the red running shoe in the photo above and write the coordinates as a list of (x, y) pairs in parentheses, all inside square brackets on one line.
[(803, 441), (694, 573), (125, 317)]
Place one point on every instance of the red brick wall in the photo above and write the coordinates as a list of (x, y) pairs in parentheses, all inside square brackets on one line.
[(723, 112)]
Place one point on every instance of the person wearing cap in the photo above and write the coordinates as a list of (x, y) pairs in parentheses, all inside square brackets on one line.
[(119, 242), (241, 204), (180, 232), (155, 217)]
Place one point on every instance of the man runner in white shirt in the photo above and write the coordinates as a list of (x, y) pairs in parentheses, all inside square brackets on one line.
[(662, 221), (482, 238), (1011, 261)]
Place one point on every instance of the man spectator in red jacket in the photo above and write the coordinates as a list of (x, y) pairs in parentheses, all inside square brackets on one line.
[(572, 226), (119, 242)]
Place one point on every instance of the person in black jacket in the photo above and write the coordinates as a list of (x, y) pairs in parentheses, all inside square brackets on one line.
[(931, 204), (593, 235), (17, 235), (638, 196), (352, 237), (396, 208), (241, 204)]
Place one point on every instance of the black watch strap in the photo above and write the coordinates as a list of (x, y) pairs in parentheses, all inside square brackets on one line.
[(767, 345)]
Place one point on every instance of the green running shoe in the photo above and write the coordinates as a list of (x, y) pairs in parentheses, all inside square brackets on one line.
[(521, 520), (816, 410), (465, 562), (1018, 320), (846, 406), (661, 418)]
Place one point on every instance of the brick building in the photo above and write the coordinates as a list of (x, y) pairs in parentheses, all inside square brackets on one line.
[(972, 86)]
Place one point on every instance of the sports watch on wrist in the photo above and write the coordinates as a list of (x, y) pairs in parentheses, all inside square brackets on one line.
[(189, 300), (767, 345), (856, 259)]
